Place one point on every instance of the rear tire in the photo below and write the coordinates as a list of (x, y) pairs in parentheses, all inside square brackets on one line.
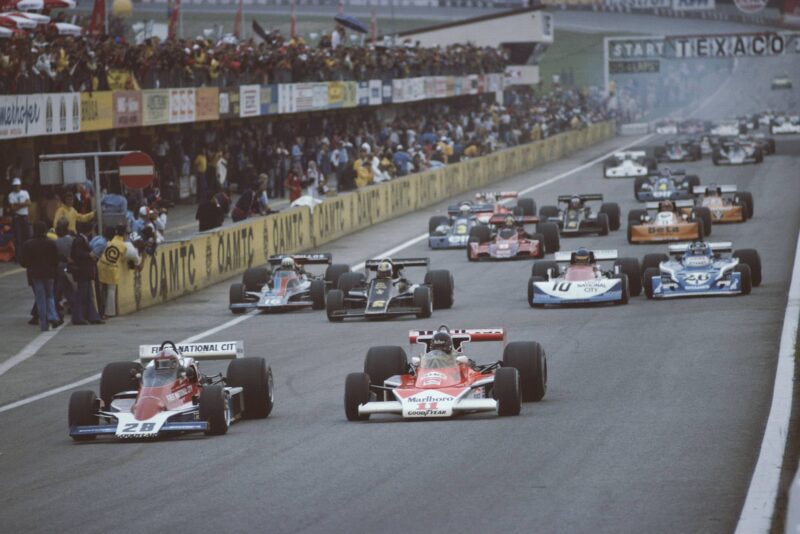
[(214, 410), (614, 215), (82, 412), (545, 212), (348, 281), (441, 281), (422, 300), (603, 223), (647, 282), (118, 377), (630, 267), (506, 389), (747, 199), (747, 280), (529, 359), (236, 296), (384, 362), (255, 278), (480, 233), (540, 268), (333, 273), (356, 392), (625, 289), (750, 257), (254, 376), (317, 293), (703, 214), (528, 206), (335, 302), (552, 243)]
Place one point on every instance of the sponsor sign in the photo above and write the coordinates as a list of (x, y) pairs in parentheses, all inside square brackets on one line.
[(269, 99), (750, 6), (249, 100), (363, 93), (375, 92), (735, 45), (636, 48), (639, 4), (398, 91), (335, 94), (155, 107), (229, 104), (386, 92), (286, 98), (127, 109), (692, 5), (649, 66), (96, 111), (350, 94), (206, 104), (181, 106), (20, 116)]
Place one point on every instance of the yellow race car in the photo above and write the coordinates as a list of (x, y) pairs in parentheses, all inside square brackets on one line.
[(666, 221), (725, 202)]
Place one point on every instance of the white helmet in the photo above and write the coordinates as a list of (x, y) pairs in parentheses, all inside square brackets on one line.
[(465, 210), (385, 269), (287, 263)]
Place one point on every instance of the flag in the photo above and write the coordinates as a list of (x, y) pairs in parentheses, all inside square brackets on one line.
[(174, 17), (98, 20), (293, 31), (373, 26), (237, 22), (258, 30)]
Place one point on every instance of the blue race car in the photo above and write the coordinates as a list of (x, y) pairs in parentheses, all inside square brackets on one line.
[(665, 184), (701, 269), (452, 231)]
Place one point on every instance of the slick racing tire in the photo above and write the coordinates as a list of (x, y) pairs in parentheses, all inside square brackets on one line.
[(255, 278), (83, 412), (603, 223), (118, 377), (384, 362), (333, 273), (691, 181), (435, 222), (635, 216), (652, 261), (480, 233), (614, 215), (441, 281), (531, 281), (348, 281), (506, 391), (528, 206), (647, 280), (356, 391), (236, 296), (747, 279), (746, 198), (214, 409), (254, 376), (529, 359), (422, 300), (317, 293), (630, 267), (703, 214), (334, 302), (625, 291), (540, 268), (545, 212), (750, 257), (758, 155), (701, 229), (552, 243)]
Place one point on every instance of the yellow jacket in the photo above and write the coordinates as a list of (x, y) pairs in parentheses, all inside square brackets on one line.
[(110, 260), (363, 173), (72, 216)]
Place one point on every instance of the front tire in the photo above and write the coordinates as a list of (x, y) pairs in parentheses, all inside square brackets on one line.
[(506, 390), (630, 268), (333, 273), (317, 293), (255, 278), (236, 296), (532, 280), (214, 410), (529, 359), (356, 392), (335, 302), (647, 282), (746, 277), (254, 376), (703, 214), (552, 243), (422, 300), (82, 412), (750, 257), (603, 223)]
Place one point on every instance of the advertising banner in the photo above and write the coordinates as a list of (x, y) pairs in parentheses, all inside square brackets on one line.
[(375, 92), (249, 100), (61, 113), (440, 86), (181, 106), (386, 96), (639, 4), (286, 98), (206, 104), (621, 48), (363, 93), (350, 94), (96, 111), (692, 5), (398, 91), (229, 104), (127, 109), (20, 116), (335, 95), (311, 96), (732, 45), (155, 107), (269, 99), (429, 84)]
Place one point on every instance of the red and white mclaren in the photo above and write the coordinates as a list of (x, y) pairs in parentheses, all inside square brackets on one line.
[(168, 395), (443, 383)]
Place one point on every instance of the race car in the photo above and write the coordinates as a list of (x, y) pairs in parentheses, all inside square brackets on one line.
[(443, 381), (678, 150), (163, 393), (499, 200), (577, 217), (707, 143), (728, 128), (725, 202), (506, 239), (766, 144), (665, 221), (781, 81), (288, 287), (701, 269), (583, 281), (737, 152), (452, 231), (785, 124), (628, 164), (667, 127), (389, 293), (693, 127), (666, 184)]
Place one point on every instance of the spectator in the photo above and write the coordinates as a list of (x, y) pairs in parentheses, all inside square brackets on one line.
[(244, 206), (64, 289), (40, 258), (209, 214), (19, 200), (363, 167), (67, 212), (108, 266), (294, 184), (83, 269), (200, 172)]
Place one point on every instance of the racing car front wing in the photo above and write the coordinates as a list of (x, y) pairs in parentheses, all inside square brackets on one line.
[(111, 430), (665, 290), (447, 241)]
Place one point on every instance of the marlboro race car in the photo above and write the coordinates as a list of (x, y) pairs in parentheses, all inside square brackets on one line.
[(701, 269), (389, 293), (506, 239), (785, 124), (678, 150), (499, 200), (665, 221), (737, 152), (452, 231), (163, 393), (443, 381), (667, 184), (577, 217), (288, 287), (583, 281), (628, 165), (725, 202)]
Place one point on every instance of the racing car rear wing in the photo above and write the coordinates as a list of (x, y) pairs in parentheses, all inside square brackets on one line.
[(372, 265), (219, 350), (704, 189), (599, 255), (499, 195), (592, 196), (453, 209), (303, 259), (519, 220), (631, 154), (720, 246), (459, 336), (676, 203)]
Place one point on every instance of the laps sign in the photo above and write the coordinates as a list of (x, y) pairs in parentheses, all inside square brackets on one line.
[(136, 170)]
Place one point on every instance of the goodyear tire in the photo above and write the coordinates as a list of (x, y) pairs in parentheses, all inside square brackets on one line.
[(506, 391), (703, 214), (236, 296), (759, 155), (334, 302), (348, 281), (214, 409), (356, 392), (422, 300), (747, 199), (552, 243), (255, 278), (540, 268), (528, 206), (747, 278), (531, 281), (635, 216), (384, 362), (254, 376), (625, 289), (435, 222), (480, 233), (647, 280), (630, 267), (118, 377), (750, 257), (692, 181), (441, 281), (545, 212), (82, 412), (540, 238), (317, 292), (333, 273), (529, 359), (614, 215), (603, 223), (701, 229), (652, 261)]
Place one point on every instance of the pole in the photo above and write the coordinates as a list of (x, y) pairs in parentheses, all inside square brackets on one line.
[(97, 193)]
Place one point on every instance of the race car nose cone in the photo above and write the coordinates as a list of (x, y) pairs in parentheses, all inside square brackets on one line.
[(147, 407)]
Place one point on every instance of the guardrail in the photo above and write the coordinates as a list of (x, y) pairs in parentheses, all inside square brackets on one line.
[(183, 267)]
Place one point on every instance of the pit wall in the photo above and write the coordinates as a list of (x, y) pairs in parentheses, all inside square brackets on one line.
[(182, 267)]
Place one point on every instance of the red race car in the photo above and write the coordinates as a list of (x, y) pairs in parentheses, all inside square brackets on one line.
[(500, 199), (443, 381), (505, 238)]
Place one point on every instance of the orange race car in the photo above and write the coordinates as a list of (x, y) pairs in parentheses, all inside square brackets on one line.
[(725, 202), (666, 221)]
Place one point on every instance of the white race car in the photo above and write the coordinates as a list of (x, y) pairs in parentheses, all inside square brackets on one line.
[(667, 127), (785, 125), (628, 164), (737, 152), (728, 128)]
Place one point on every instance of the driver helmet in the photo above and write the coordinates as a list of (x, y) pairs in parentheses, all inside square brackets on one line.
[(442, 341), (510, 221), (582, 256), (575, 203), (698, 248), (167, 359), (665, 205), (288, 264), (385, 269), (465, 210), (713, 190)]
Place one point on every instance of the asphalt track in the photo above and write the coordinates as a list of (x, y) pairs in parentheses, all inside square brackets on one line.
[(652, 422)]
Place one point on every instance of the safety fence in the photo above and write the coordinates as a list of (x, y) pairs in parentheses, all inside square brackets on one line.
[(183, 267)]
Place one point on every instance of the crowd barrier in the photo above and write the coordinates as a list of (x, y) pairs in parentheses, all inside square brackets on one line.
[(183, 267)]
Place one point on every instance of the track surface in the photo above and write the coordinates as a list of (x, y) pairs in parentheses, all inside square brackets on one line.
[(651, 424)]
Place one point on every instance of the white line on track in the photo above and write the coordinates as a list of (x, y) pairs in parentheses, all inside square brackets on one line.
[(759, 506), (29, 350), (387, 253)]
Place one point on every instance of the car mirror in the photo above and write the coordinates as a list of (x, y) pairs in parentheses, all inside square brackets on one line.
[(415, 361), (462, 359)]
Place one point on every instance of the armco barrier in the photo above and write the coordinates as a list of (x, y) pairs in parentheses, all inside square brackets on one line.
[(183, 267)]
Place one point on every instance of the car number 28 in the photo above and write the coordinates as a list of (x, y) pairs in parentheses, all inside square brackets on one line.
[(696, 279), (138, 428)]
